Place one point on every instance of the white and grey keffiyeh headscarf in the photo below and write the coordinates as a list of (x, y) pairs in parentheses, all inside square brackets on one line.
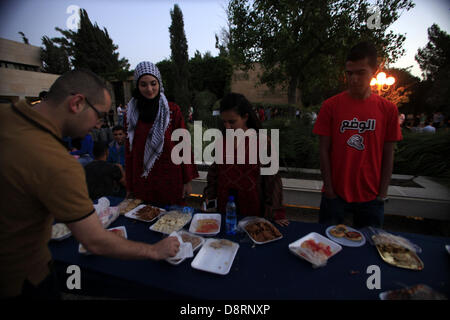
[(155, 139)]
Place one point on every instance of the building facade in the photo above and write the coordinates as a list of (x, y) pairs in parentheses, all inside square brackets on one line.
[(20, 72)]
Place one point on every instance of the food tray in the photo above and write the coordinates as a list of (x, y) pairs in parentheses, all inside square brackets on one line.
[(181, 232), (214, 260), (128, 205), (132, 214), (413, 263), (344, 241), (334, 247), (60, 232), (242, 225), (164, 227), (82, 250), (201, 216), (416, 292)]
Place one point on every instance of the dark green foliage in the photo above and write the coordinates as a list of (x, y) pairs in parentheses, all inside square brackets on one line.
[(54, 58), (210, 73), (89, 47), (167, 70), (24, 38), (434, 60), (203, 104), (299, 147), (179, 56), (422, 154), (303, 44)]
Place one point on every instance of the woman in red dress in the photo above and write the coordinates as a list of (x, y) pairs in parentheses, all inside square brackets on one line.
[(150, 120), (255, 194)]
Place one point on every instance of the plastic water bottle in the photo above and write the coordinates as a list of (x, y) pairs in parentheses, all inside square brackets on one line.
[(230, 218)]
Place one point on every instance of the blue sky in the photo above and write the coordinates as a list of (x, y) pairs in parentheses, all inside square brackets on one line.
[(141, 28)]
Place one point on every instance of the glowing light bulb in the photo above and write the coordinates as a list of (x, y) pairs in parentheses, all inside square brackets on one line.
[(390, 81), (373, 82), (381, 78)]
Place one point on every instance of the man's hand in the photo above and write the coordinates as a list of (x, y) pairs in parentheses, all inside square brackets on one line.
[(166, 248)]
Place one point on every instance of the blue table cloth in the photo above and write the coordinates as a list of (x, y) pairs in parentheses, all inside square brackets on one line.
[(262, 272)]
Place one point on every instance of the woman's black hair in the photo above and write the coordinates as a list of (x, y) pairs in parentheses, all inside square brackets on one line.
[(148, 108), (239, 104)]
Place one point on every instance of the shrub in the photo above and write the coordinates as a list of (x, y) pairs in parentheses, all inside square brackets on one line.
[(424, 154)]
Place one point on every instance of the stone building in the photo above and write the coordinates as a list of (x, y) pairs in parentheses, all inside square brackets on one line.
[(248, 85), (20, 71)]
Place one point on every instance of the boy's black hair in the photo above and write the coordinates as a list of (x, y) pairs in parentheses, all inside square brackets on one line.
[(118, 127), (364, 50), (100, 149)]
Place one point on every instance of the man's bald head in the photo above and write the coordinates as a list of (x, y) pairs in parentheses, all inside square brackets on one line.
[(78, 81)]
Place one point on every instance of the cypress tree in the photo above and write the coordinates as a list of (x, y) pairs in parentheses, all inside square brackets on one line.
[(179, 56)]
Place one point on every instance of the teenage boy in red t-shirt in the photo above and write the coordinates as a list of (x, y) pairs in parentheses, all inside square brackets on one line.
[(358, 130)]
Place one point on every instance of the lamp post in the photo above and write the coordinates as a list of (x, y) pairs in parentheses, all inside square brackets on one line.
[(382, 82)]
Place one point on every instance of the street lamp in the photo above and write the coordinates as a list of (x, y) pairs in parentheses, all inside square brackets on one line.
[(382, 82)]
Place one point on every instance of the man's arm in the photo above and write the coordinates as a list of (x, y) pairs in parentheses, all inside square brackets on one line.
[(99, 241), (325, 166), (387, 165)]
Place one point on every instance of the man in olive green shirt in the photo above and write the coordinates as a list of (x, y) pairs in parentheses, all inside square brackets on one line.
[(41, 181)]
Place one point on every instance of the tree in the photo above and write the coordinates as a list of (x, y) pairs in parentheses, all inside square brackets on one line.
[(92, 48), (302, 44), (405, 84), (210, 73), (434, 61), (180, 58), (167, 69), (24, 39), (54, 58), (435, 56)]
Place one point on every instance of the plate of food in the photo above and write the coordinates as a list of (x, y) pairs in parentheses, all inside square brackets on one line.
[(195, 240), (146, 213), (315, 248), (171, 221), (346, 235), (416, 292), (128, 205), (60, 232), (206, 224), (260, 230), (216, 256), (397, 251), (119, 231)]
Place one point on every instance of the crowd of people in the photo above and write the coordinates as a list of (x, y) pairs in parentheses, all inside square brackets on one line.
[(424, 123), (44, 180)]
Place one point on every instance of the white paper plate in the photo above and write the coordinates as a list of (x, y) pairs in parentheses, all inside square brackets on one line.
[(132, 214), (161, 216), (334, 247), (181, 232), (82, 250), (60, 232), (344, 241), (201, 216), (214, 260), (244, 223)]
